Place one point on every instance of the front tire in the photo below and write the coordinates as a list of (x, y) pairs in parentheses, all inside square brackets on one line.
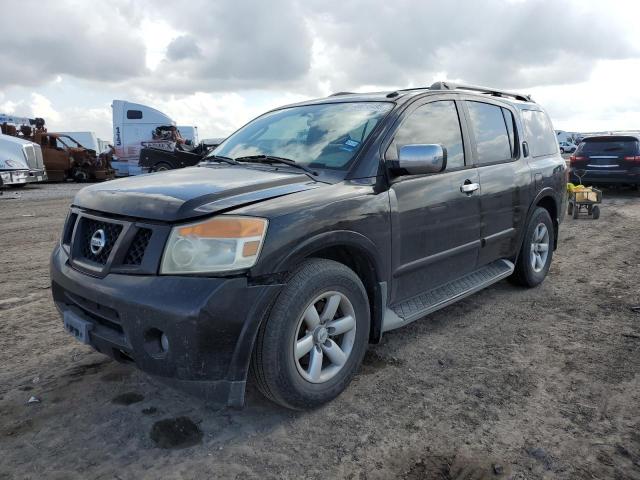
[(536, 252), (315, 337)]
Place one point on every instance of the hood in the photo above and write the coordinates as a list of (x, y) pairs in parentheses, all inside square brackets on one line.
[(189, 192)]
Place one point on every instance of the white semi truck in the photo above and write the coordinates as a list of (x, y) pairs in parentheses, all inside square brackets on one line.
[(137, 126), (20, 162)]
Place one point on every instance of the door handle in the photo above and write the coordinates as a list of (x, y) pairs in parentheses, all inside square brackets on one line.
[(469, 188)]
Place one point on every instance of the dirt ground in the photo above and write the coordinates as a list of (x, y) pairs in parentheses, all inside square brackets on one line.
[(509, 383)]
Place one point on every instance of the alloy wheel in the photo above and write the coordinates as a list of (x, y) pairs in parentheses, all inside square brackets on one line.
[(325, 335)]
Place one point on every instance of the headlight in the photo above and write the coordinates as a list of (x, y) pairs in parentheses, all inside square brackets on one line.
[(220, 244)]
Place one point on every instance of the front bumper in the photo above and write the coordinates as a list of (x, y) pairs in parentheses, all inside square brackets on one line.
[(37, 175), (14, 177), (210, 324)]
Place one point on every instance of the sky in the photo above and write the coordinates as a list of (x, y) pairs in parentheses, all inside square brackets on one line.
[(217, 64)]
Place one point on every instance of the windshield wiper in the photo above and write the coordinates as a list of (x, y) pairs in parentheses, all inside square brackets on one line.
[(274, 159), (219, 158)]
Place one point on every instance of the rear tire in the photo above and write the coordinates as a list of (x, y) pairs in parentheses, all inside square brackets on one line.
[(576, 211), (285, 374), (595, 211), (534, 259), (570, 209)]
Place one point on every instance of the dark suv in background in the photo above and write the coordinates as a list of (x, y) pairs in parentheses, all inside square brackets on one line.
[(310, 232), (607, 160)]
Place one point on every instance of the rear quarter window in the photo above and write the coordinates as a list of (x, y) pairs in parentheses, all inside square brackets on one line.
[(539, 133)]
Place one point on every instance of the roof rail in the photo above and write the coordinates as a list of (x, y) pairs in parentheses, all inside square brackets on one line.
[(475, 88), (337, 94)]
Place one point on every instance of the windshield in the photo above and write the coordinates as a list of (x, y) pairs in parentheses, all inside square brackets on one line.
[(69, 140), (316, 136)]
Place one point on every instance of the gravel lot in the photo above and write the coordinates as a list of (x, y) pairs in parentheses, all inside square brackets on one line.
[(509, 383)]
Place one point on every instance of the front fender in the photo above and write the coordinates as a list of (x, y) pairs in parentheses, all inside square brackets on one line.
[(325, 240)]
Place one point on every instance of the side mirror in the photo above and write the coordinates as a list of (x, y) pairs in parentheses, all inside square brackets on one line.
[(422, 159)]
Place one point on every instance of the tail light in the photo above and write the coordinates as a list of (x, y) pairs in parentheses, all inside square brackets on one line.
[(633, 158), (574, 158)]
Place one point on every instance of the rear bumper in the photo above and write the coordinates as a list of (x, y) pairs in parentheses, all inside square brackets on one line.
[(210, 324), (604, 177)]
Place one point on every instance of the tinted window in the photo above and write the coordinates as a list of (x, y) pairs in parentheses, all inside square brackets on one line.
[(539, 133), (433, 123), (490, 130), (134, 114), (621, 146)]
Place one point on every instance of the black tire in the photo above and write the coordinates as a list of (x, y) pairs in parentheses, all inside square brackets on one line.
[(524, 273), (595, 211), (570, 209), (162, 167), (273, 364), (576, 211), (561, 150)]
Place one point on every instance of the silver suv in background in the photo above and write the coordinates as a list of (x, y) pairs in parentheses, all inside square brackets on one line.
[(566, 147)]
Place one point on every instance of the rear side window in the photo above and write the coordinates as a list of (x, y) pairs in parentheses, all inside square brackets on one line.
[(620, 146), (134, 114), (539, 133), (493, 142), (432, 123)]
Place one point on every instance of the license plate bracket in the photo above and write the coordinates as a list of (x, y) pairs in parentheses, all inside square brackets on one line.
[(77, 326)]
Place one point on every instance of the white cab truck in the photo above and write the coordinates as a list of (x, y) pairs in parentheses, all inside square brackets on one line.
[(137, 126), (20, 162)]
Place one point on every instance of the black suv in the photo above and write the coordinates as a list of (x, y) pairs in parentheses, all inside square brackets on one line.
[(607, 160), (307, 234)]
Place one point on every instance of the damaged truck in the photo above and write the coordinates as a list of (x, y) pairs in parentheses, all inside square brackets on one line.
[(64, 158), (147, 140)]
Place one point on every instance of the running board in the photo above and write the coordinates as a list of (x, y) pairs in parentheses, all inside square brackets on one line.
[(417, 307)]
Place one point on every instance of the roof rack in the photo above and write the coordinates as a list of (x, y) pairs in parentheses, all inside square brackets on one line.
[(337, 94), (475, 88)]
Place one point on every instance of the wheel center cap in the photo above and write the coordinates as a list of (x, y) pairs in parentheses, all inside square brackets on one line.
[(321, 335)]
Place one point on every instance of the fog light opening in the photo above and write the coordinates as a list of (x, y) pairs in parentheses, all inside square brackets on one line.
[(156, 342)]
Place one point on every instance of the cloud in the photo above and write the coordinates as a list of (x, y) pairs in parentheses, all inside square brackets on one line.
[(183, 47), (206, 62), (87, 40), (493, 42), (230, 45)]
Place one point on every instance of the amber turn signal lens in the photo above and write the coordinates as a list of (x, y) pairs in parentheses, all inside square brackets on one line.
[(220, 227), (250, 248)]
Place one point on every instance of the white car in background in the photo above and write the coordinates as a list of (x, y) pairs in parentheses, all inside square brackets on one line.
[(566, 147)]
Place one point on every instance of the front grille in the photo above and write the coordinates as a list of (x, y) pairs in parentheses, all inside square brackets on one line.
[(88, 228), (138, 246), (39, 159), (68, 228), (31, 156)]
